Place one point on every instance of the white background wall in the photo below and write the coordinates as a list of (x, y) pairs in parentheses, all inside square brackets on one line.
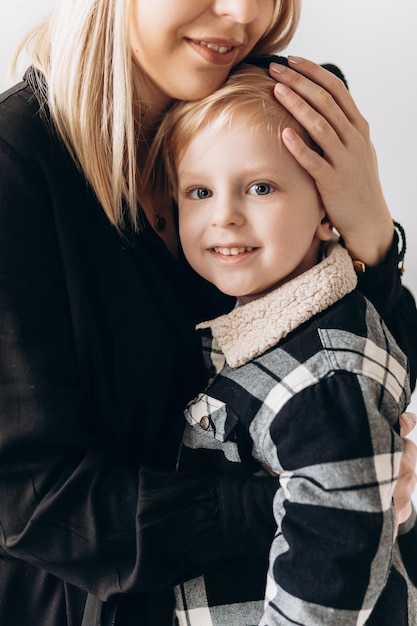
[(374, 42)]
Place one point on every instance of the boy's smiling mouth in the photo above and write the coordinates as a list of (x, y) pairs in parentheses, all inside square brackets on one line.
[(233, 251)]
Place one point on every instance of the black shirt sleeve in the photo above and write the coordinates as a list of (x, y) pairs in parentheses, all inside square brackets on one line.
[(382, 285)]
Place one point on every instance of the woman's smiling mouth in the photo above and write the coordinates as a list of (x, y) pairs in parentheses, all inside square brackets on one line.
[(215, 47), (216, 51)]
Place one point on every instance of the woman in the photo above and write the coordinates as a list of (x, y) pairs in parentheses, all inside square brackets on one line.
[(97, 313)]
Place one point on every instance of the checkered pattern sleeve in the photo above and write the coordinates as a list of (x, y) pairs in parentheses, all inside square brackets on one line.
[(337, 455)]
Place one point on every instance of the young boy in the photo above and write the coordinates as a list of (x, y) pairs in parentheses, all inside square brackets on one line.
[(306, 381)]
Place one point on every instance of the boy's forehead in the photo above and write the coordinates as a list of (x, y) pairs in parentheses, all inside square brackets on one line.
[(232, 150), (221, 129)]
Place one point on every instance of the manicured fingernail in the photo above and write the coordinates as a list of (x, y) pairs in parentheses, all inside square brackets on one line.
[(277, 68), (295, 60), (289, 134), (282, 89)]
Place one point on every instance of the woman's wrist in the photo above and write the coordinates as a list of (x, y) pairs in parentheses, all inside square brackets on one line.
[(393, 259), (381, 284), (372, 247)]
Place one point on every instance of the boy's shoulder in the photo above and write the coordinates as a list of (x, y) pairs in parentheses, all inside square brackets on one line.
[(353, 314), (349, 336)]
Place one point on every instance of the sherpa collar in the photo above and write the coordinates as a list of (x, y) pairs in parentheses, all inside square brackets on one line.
[(251, 329)]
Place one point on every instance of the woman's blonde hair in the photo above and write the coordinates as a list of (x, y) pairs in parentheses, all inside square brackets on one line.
[(246, 100), (83, 51)]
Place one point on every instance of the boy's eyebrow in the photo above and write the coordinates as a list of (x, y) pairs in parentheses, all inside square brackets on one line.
[(245, 168), (265, 170), (186, 174)]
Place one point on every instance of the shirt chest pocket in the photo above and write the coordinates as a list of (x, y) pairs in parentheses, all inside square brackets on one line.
[(211, 424), (211, 417)]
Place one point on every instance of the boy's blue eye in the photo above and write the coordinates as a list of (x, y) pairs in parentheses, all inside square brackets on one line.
[(260, 189), (200, 193)]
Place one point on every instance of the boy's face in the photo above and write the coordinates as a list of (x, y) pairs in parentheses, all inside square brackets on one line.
[(249, 215)]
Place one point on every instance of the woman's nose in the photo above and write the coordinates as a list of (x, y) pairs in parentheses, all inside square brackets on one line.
[(242, 11)]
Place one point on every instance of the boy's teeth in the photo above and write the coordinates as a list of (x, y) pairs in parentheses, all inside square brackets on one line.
[(232, 251)]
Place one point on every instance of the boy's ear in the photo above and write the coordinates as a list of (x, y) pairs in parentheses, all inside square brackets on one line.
[(324, 230)]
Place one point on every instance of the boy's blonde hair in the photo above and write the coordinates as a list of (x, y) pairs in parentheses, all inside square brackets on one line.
[(245, 100), (94, 90)]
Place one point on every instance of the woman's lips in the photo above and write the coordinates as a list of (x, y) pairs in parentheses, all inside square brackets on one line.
[(218, 52)]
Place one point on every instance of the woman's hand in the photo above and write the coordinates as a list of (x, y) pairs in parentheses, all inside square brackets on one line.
[(347, 174), (407, 479)]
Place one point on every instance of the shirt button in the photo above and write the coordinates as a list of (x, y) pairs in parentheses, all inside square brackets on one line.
[(205, 422)]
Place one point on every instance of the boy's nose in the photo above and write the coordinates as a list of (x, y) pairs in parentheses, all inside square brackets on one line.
[(227, 213)]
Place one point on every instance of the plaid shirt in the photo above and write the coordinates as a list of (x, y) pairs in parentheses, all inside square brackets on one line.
[(307, 384)]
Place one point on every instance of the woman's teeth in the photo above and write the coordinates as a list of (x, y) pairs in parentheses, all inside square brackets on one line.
[(215, 47)]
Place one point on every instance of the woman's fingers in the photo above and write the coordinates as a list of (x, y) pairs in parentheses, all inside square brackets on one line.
[(326, 134), (327, 86), (407, 479), (309, 159), (322, 89), (408, 421), (346, 173), (406, 483), (326, 109)]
